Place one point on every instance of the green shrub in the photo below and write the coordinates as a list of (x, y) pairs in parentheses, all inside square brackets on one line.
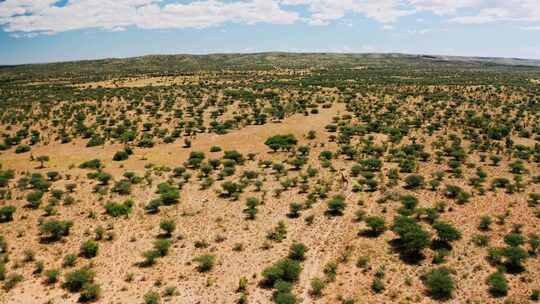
[(2, 270), (446, 232), (91, 164), (215, 149), (6, 213), (317, 286), (168, 226), (153, 206), (89, 249), (377, 285), (54, 230), (439, 283), (51, 276), (169, 195), (120, 156), (116, 209), (69, 260), (498, 286), (12, 280), (376, 225), (34, 199), (150, 257), (535, 295), (287, 270), (205, 262), (152, 297), (298, 251), (75, 280), (90, 292), (162, 246), (336, 205), (414, 181), (279, 233), (281, 142), (22, 149), (412, 237)]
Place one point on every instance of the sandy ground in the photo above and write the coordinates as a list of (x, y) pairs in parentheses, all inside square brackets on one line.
[(202, 215)]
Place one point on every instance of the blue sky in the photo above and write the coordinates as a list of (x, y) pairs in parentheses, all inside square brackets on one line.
[(53, 30)]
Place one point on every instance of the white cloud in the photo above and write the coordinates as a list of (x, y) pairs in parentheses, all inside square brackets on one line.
[(503, 10), (443, 7), (324, 11), (28, 17), (43, 16)]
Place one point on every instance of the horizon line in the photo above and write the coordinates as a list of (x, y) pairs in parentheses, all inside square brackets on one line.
[(265, 52)]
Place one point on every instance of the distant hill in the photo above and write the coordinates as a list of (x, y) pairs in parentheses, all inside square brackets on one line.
[(182, 63)]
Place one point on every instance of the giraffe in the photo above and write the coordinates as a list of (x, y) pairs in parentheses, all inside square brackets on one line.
[(344, 179)]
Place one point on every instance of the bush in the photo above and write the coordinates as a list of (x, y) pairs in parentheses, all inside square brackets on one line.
[(414, 181), (286, 270), (377, 285), (294, 210), (150, 257), (75, 280), (485, 223), (317, 286), (152, 297), (446, 232), (91, 164), (281, 142), (54, 230), (515, 256), (336, 205), (153, 206), (168, 226), (116, 209), (89, 249), (498, 286), (234, 155), (120, 156), (371, 164), (162, 246), (285, 298), (122, 187), (6, 213), (169, 195), (376, 225), (195, 159), (69, 260), (412, 237), (298, 251), (251, 207), (409, 202), (215, 149), (22, 149), (12, 280), (439, 283), (279, 233), (206, 262), (51, 276), (535, 295), (90, 292), (230, 188), (514, 239), (34, 199)]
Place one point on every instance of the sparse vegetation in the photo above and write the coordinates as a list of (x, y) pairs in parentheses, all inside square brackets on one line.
[(196, 168)]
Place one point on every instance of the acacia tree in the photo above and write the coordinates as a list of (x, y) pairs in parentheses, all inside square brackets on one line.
[(281, 142), (412, 237), (42, 159)]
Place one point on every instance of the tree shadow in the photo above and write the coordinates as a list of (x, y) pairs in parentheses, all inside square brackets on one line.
[(408, 257)]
